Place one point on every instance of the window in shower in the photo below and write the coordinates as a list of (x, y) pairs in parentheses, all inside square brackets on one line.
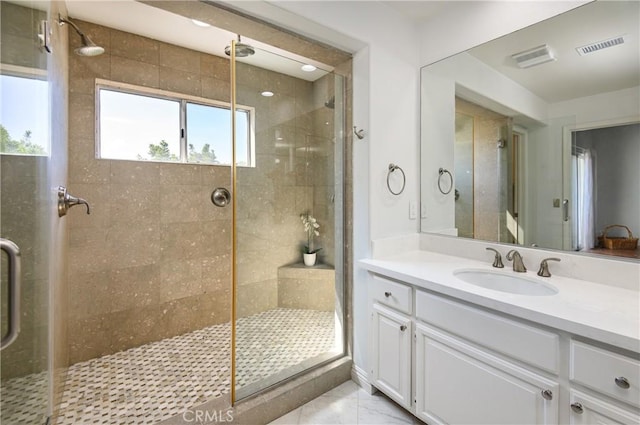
[(25, 94), (140, 124)]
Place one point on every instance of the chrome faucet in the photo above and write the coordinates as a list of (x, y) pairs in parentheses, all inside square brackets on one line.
[(518, 264), (497, 260), (544, 267)]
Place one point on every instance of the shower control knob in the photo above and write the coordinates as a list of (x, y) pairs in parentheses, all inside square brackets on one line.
[(220, 197)]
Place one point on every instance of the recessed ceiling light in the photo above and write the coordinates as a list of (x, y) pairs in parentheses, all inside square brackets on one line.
[(308, 68), (200, 23), (267, 93)]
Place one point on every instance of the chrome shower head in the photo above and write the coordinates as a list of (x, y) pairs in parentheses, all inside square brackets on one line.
[(242, 50), (88, 48)]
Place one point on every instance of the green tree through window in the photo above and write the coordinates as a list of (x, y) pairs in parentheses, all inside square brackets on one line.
[(23, 146)]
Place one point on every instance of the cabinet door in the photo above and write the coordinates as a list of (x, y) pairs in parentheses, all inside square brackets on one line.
[(391, 354), (460, 384), (587, 410)]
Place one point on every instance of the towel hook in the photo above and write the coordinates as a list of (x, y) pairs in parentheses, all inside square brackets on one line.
[(442, 172), (392, 168), (359, 133)]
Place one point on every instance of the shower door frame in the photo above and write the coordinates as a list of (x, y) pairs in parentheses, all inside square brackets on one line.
[(340, 254)]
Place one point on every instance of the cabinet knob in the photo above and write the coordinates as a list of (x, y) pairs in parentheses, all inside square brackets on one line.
[(577, 407), (622, 382), (387, 294), (547, 394), (403, 328)]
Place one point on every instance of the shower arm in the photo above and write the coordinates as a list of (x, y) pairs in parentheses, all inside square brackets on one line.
[(62, 21)]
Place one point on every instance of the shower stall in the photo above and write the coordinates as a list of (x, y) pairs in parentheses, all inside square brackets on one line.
[(185, 284)]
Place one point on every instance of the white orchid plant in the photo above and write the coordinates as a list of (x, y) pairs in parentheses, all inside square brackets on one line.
[(311, 226)]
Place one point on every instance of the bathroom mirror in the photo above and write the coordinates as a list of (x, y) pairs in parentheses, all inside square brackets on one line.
[(543, 146)]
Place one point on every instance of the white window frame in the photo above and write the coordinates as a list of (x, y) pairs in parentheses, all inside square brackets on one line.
[(182, 99)]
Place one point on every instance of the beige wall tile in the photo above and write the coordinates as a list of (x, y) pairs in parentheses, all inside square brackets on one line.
[(133, 203), (215, 67), (181, 241), (180, 174), (215, 237), (134, 72), (134, 172), (134, 47), (257, 297), (181, 203), (82, 116), (179, 81), (179, 58), (215, 89)]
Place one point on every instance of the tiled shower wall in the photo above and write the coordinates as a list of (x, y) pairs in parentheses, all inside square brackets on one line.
[(153, 258), (290, 179), (487, 131)]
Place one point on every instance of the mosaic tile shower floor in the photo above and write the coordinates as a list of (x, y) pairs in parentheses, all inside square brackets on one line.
[(157, 381)]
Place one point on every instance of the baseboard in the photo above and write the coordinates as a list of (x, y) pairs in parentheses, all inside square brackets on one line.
[(361, 377)]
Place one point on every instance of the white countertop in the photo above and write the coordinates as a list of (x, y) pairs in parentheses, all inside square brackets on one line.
[(592, 310)]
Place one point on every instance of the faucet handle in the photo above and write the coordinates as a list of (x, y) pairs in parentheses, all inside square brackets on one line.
[(544, 267), (497, 260)]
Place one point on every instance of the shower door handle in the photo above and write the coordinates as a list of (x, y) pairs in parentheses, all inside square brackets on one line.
[(13, 305), (565, 210)]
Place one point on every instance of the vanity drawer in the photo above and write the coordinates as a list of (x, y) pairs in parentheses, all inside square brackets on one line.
[(528, 344), (606, 372), (391, 293)]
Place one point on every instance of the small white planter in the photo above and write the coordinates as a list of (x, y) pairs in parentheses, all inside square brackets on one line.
[(310, 259)]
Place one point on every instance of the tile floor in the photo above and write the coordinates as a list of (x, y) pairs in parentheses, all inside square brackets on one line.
[(348, 404), (156, 381)]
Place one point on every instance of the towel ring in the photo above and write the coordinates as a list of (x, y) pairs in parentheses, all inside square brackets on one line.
[(392, 168), (442, 172)]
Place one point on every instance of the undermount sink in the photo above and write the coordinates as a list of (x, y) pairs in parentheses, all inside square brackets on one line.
[(505, 282)]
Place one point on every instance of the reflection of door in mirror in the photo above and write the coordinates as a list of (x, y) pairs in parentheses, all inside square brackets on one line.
[(605, 176), (484, 169)]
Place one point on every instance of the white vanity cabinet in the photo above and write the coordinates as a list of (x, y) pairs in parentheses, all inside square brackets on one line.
[(611, 381), (452, 362), (460, 382), (390, 339)]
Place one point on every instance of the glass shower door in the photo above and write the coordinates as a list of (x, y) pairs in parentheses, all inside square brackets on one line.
[(288, 315), (24, 216)]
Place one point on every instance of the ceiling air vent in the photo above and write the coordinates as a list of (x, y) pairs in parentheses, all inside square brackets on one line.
[(604, 44), (532, 57)]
